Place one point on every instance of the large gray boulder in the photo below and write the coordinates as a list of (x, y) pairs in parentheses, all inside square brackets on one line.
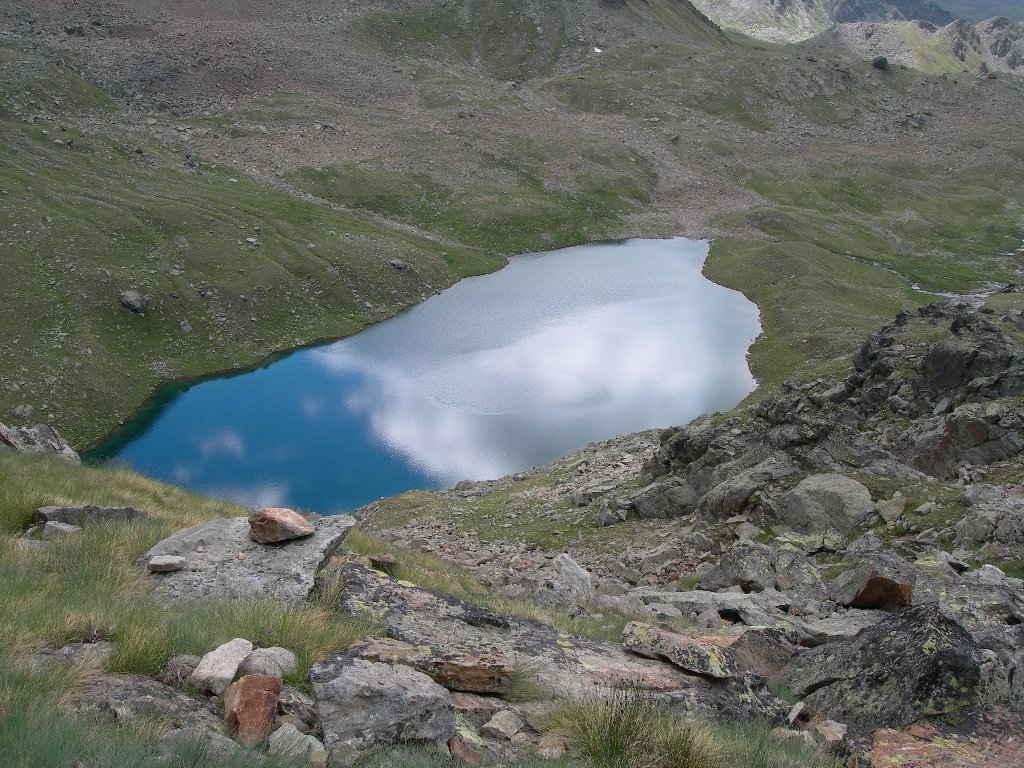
[(914, 664), (826, 501), (749, 565), (223, 561), (41, 438), (365, 705)]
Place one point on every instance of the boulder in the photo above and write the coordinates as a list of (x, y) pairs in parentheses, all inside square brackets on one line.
[(133, 300), (670, 498), (690, 653), (883, 582), (87, 514), (748, 565), (892, 509), (914, 664), (41, 438), (279, 662), (572, 579), (365, 705), (225, 562), (272, 525), (250, 706), (483, 672), (219, 667), (826, 501)]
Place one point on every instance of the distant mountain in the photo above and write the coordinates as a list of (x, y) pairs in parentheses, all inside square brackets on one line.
[(793, 20), (978, 10), (994, 45)]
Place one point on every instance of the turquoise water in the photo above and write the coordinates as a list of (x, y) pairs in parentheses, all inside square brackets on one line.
[(497, 374)]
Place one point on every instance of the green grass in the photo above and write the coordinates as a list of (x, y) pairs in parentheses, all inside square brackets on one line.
[(630, 729), (88, 586)]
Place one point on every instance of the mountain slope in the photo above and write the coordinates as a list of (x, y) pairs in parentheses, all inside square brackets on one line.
[(792, 20)]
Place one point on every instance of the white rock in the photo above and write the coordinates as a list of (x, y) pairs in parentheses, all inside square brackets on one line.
[(218, 668), (270, 661), (53, 530), (504, 725)]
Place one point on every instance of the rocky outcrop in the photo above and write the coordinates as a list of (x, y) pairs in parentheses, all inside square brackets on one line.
[(824, 501), (916, 664), (41, 438), (563, 662), (692, 654), (223, 561)]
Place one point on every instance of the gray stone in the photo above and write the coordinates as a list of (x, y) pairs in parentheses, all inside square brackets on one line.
[(748, 565), (41, 438), (133, 300), (766, 652), (289, 742), (892, 509), (665, 499), (572, 579), (88, 514), (219, 667), (166, 563), (138, 699), (225, 562), (279, 662), (504, 725), (54, 530), (364, 706), (826, 501), (885, 582), (91, 654)]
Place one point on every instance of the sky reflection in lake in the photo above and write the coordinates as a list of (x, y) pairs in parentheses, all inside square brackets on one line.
[(497, 374)]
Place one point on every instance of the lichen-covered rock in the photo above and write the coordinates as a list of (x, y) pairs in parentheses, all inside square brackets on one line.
[(690, 653), (826, 501), (749, 565), (484, 672), (272, 525), (364, 706), (225, 562), (913, 665), (138, 699)]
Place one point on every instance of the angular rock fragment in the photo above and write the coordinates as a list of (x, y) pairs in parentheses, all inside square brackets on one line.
[(272, 525), (826, 501), (881, 582), (219, 667), (250, 706), (166, 563)]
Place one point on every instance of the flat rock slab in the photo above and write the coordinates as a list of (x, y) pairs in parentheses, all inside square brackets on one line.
[(449, 666), (129, 698), (85, 514), (689, 653), (224, 562)]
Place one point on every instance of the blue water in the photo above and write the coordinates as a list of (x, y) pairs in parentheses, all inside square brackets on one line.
[(497, 374)]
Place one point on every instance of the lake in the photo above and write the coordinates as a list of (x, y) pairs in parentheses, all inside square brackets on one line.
[(495, 375)]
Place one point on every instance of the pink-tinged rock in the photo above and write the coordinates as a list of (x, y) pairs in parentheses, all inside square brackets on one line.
[(218, 668), (250, 706), (273, 525)]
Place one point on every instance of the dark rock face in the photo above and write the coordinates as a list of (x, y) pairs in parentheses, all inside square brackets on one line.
[(914, 665)]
